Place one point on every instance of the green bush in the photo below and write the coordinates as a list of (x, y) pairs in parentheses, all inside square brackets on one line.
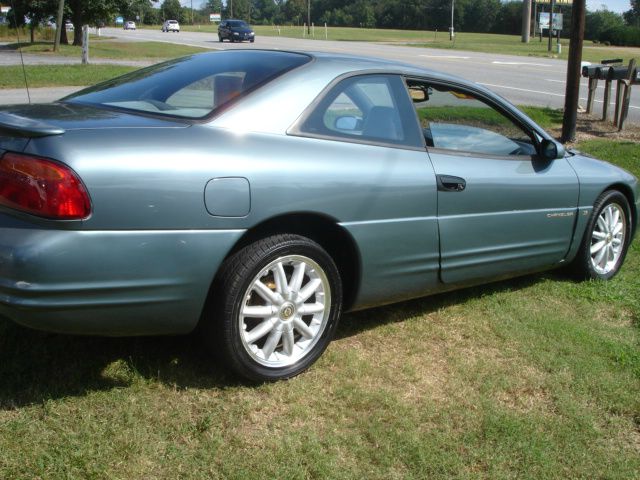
[(624, 36)]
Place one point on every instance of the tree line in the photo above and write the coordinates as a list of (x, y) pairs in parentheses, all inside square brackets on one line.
[(490, 16)]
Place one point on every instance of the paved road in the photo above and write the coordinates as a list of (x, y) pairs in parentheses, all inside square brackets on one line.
[(522, 80)]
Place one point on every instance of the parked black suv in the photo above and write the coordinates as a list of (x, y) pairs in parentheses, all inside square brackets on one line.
[(235, 31)]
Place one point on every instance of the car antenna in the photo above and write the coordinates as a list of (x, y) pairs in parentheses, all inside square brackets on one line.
[(24, 71)]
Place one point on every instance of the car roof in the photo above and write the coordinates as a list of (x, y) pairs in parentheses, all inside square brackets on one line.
[(307, 81)]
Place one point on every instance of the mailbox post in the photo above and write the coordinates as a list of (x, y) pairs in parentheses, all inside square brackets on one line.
[(610, 71)]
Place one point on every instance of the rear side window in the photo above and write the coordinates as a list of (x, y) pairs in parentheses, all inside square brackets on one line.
[(365, 109), (191, 87)]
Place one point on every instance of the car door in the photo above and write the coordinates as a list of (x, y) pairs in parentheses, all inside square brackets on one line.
[(502, 209), (377, 181)]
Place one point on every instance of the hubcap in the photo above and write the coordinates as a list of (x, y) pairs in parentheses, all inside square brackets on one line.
[(607, 239), (285, 311)]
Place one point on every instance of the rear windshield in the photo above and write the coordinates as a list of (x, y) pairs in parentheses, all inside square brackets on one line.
[(191, 87)]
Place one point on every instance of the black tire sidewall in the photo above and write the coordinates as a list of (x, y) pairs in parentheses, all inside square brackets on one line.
[(247, 264), (585, 267)]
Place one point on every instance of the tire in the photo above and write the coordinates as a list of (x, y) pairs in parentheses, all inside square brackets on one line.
[(265, 329), (252, 40), (219, 38), (606, 238)]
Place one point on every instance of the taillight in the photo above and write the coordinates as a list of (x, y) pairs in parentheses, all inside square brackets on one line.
[(42, 187)]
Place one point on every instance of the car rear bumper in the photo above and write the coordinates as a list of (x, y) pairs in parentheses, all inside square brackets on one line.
[(108, 282)]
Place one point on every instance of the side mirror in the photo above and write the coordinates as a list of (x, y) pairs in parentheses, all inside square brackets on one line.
[(551, 150), (346, 123)]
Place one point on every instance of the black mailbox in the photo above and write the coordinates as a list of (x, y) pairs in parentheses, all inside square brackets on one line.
[(589, 71), (618, 73), (602, 72)]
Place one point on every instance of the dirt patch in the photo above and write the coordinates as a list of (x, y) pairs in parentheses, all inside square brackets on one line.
[(590, 127)]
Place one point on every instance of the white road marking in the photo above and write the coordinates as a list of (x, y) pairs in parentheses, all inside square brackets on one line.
[(496, 62), (583, 85), (522, 90), (543, 93), (456, 57)]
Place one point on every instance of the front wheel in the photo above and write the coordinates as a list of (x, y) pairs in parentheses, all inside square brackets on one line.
[(276, 307), (606, 239)]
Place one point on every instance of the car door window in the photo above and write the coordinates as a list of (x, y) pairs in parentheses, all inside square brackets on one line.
[(452, 119), (365, 109)]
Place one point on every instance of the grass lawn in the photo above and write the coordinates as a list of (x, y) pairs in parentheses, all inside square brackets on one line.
[(533, 378), (59, 75), (105, 48)]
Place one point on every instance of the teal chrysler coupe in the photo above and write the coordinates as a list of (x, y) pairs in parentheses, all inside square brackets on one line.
[(255, 195)]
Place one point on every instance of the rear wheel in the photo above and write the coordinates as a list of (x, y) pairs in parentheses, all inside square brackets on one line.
[(606, 238), (276, 307)]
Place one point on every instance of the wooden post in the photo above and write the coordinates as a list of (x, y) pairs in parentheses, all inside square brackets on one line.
[(593, 86), (619, 91), (85, 44), (572, 92), (628, 82), (59, 25), (606, 99), (526, 20), (553, 3)]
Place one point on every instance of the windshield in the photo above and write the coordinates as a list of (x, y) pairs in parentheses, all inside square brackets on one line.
[(237, 23), (191, 87)]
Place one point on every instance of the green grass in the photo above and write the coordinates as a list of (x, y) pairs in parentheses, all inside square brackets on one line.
[(105, 48), (59, 75), (532, 378)]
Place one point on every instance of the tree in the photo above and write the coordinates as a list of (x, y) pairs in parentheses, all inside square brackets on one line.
[(90, 12), (481, 15), (632, 17), (599, 22), (134, 9), (213, 6), (172, 10)]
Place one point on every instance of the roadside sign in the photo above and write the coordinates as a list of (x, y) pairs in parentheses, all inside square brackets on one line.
[(119, 20), (543, 22), (215, 17)]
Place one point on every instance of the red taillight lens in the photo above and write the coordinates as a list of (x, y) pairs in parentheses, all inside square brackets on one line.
[(42, 187)]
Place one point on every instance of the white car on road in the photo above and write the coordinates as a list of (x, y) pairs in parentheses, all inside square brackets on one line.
[(171, 26)]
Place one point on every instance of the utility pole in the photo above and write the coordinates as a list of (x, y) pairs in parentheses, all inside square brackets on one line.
[(191, 12), (451, 31), (572, 93), (526, 20), (308, 17), (553, 4), (59, 25), (231, 13)]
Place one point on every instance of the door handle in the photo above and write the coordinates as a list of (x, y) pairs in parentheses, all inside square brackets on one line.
[(448, 183)]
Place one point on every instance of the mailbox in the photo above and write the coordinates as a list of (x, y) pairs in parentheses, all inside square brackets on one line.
[(602, 72), (589, 71), (619, 73)]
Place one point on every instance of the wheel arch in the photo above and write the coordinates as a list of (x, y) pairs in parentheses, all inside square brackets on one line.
[(325, 231), (628, 193)]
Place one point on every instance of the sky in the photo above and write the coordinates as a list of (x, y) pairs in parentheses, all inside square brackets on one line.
[(613, 5)]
